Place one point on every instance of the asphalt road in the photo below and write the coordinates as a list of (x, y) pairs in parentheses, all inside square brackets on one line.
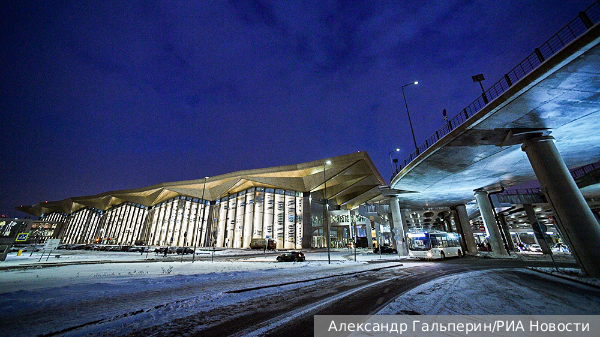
[(290, 313)]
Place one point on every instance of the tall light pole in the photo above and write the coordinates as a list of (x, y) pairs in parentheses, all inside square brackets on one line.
[(325, 215), (201, 221), (477, 79), (391, 160), (409, 121)]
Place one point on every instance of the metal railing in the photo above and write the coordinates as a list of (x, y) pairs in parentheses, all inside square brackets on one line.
[(570, 32), (581, 171), (522, 191)]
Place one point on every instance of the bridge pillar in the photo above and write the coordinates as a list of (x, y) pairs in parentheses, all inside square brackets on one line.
[(464, 228), (506, 230), (485, 207), (573, 215), (369, 230), (398, 230), (537, 231)]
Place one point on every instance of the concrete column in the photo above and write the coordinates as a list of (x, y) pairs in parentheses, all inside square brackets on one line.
[(537, 231), (506, 231), (369, 234), (465, 229), (485, 207), (572, 214), (448, 222), (398, 227), (378, 237), (463, 244)]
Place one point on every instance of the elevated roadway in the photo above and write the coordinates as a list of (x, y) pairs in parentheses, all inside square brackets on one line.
[(539, 127), (560, 98)]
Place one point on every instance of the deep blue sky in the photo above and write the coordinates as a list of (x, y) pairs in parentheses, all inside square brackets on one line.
[(124, 94)]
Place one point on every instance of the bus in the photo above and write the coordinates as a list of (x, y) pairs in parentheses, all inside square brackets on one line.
[(433, 245)]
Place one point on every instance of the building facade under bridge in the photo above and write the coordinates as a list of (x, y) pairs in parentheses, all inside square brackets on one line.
[(284, 203)]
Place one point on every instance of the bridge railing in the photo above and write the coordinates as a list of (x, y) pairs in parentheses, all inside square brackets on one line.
[(581, 171), (523, 191), (570, 32)]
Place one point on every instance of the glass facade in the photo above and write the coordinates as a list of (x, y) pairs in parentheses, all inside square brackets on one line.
[(122, 224), (259, 213), (232, 221), (182, 221), (80, 226)]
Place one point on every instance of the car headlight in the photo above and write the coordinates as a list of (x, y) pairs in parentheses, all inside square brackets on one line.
[(429, 254)]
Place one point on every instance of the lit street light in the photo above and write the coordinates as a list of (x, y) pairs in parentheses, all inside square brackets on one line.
[(325, 217), (409, 121)]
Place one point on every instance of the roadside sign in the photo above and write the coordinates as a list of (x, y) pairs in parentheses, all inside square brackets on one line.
[(482, 228), (51, 244), (22, 237)]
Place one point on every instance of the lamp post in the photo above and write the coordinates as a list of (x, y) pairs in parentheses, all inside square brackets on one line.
[(391, 160), (325, 215), (409, 121), (477, 79), (201, 221)]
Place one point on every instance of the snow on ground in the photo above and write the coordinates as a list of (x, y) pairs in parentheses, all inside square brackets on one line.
[(27, 273), (469, 294), (135, 290), (163, 288)]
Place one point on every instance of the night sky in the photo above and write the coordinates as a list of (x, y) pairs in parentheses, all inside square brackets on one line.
[(114, 95)]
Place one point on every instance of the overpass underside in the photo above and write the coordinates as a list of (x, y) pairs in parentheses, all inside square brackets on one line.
[(539, 128)]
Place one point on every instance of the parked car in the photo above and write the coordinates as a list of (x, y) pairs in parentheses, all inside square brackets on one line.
[(291, 257), (136, 249), (561, 248), (385, 250), (535, 247), (161, 250), (184, 250)]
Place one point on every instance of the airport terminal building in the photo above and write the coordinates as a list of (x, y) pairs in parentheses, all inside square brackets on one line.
[(283, 203)]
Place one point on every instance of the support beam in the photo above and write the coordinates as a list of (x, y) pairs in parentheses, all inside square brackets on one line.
[(485, 207), (369, 230), (573, 215), (398, 227), (506, 230), (537, 231), (465, 229)]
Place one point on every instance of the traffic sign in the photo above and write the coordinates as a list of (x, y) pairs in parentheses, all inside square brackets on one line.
[(482, 228), (22, 237), (51, 244)]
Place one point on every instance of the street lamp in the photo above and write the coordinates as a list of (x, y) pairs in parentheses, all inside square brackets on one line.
[(325, 215), (201, 221), (409, 121), (477, 79), (391, 160)]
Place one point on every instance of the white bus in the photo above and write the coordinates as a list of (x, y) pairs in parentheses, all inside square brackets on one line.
[(433, 245)]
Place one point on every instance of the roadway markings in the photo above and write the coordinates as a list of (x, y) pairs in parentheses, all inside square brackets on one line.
[(310, 280), (307, 310)]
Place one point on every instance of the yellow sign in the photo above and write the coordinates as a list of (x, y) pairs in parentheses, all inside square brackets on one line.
[(22, 237)]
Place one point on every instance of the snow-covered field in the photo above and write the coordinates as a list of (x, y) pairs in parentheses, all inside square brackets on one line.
[(165, 288), (135, 290), (493, 292)]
